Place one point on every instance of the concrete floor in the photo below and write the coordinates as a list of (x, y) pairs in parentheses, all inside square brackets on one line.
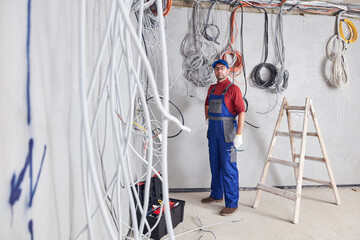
[(320, 217)]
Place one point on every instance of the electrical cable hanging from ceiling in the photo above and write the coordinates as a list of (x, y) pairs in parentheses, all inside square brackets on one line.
[(209, 26), (339, 70), (124, 46), (273, 70), (199, 53), (180, 113), (231, 55), (238, 63), (281, 81), (255, 75), (166, 8), (352, 29)]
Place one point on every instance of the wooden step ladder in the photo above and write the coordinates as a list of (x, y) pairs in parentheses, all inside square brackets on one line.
[(297, 159)]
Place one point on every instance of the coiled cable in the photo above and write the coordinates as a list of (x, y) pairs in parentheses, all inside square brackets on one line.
[(199, 53), (166, 9), (255, 74), (281, 81), (352, 29), (339, 71), (211, 26)]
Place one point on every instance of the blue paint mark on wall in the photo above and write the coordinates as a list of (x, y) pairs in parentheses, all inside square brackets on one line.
[(28, 63), (16, 182), (30, 227), (33, 188)]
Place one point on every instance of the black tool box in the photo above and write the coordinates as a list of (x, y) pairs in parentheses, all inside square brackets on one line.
[(155, 190), (155, 197), (177, 216)]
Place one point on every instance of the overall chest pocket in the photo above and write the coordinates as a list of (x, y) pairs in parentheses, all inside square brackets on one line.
[(215, 105)]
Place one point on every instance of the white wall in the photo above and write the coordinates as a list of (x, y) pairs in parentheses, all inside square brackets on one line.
[(57, 211), (337, 109), (55, 119)]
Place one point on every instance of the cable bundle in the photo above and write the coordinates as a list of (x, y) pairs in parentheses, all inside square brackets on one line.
[(232, 56), (278, 77), (339, 73), (255, 75), (353, 32), (166, 8), (199, 53), (281, 81), (211, 26), (135, 6), (235, 62)]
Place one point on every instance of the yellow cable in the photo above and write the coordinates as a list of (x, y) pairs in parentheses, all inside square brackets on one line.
[(352, 30), (139, 126)]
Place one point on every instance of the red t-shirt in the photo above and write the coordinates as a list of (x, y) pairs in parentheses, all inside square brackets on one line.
[(233, 97)]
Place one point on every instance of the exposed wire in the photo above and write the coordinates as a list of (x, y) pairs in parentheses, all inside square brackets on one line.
[(123, 41), (339, 71), (199, 53), (209, 26), (281, 81), (352, 29)]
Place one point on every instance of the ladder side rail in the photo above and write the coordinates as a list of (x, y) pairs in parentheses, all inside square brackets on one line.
[(271, 148), (326, 157), (292, 143), (301, 162)]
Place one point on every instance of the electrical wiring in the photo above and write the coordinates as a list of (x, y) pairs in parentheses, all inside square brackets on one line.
[(255, 75), (207, 226), (166, 9), (339, 74), (124, 46), (199, 52), (136, 5), (236, 62), (178, 110), (86, 127), (352, 29), (211, 26), (339, 71), (202, 225), (281, 81), (120, 140)]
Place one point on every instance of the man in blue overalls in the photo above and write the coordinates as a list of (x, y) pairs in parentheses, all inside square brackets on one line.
[(223, 103)]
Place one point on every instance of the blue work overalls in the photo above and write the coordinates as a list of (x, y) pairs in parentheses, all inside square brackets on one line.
[(221, 133)]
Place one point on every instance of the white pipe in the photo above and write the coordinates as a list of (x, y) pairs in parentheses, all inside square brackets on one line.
[(147, 66), (165, 78), (85, 118)]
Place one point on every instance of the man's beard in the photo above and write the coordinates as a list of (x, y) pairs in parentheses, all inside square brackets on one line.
[(221, 78)]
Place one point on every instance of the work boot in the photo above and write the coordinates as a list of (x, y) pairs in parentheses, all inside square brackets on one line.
[(228, 211), (210, 200)]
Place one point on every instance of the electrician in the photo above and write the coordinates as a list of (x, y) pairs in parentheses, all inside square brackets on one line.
[(223, 103)]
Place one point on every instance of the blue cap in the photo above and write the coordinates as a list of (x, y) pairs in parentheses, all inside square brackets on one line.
[(221, 61)]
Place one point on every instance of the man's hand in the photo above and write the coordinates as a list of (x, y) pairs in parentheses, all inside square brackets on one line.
[(238, 141)]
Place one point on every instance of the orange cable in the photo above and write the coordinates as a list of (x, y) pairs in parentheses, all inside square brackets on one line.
[(166, 10), (237, 67)]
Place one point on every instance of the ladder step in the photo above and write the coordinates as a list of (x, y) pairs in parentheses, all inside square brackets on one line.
[(288, 107), (283, 162), (317, 181), (318, 159), (314, 134), (296, 134), (277, 191), (293, 134)]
